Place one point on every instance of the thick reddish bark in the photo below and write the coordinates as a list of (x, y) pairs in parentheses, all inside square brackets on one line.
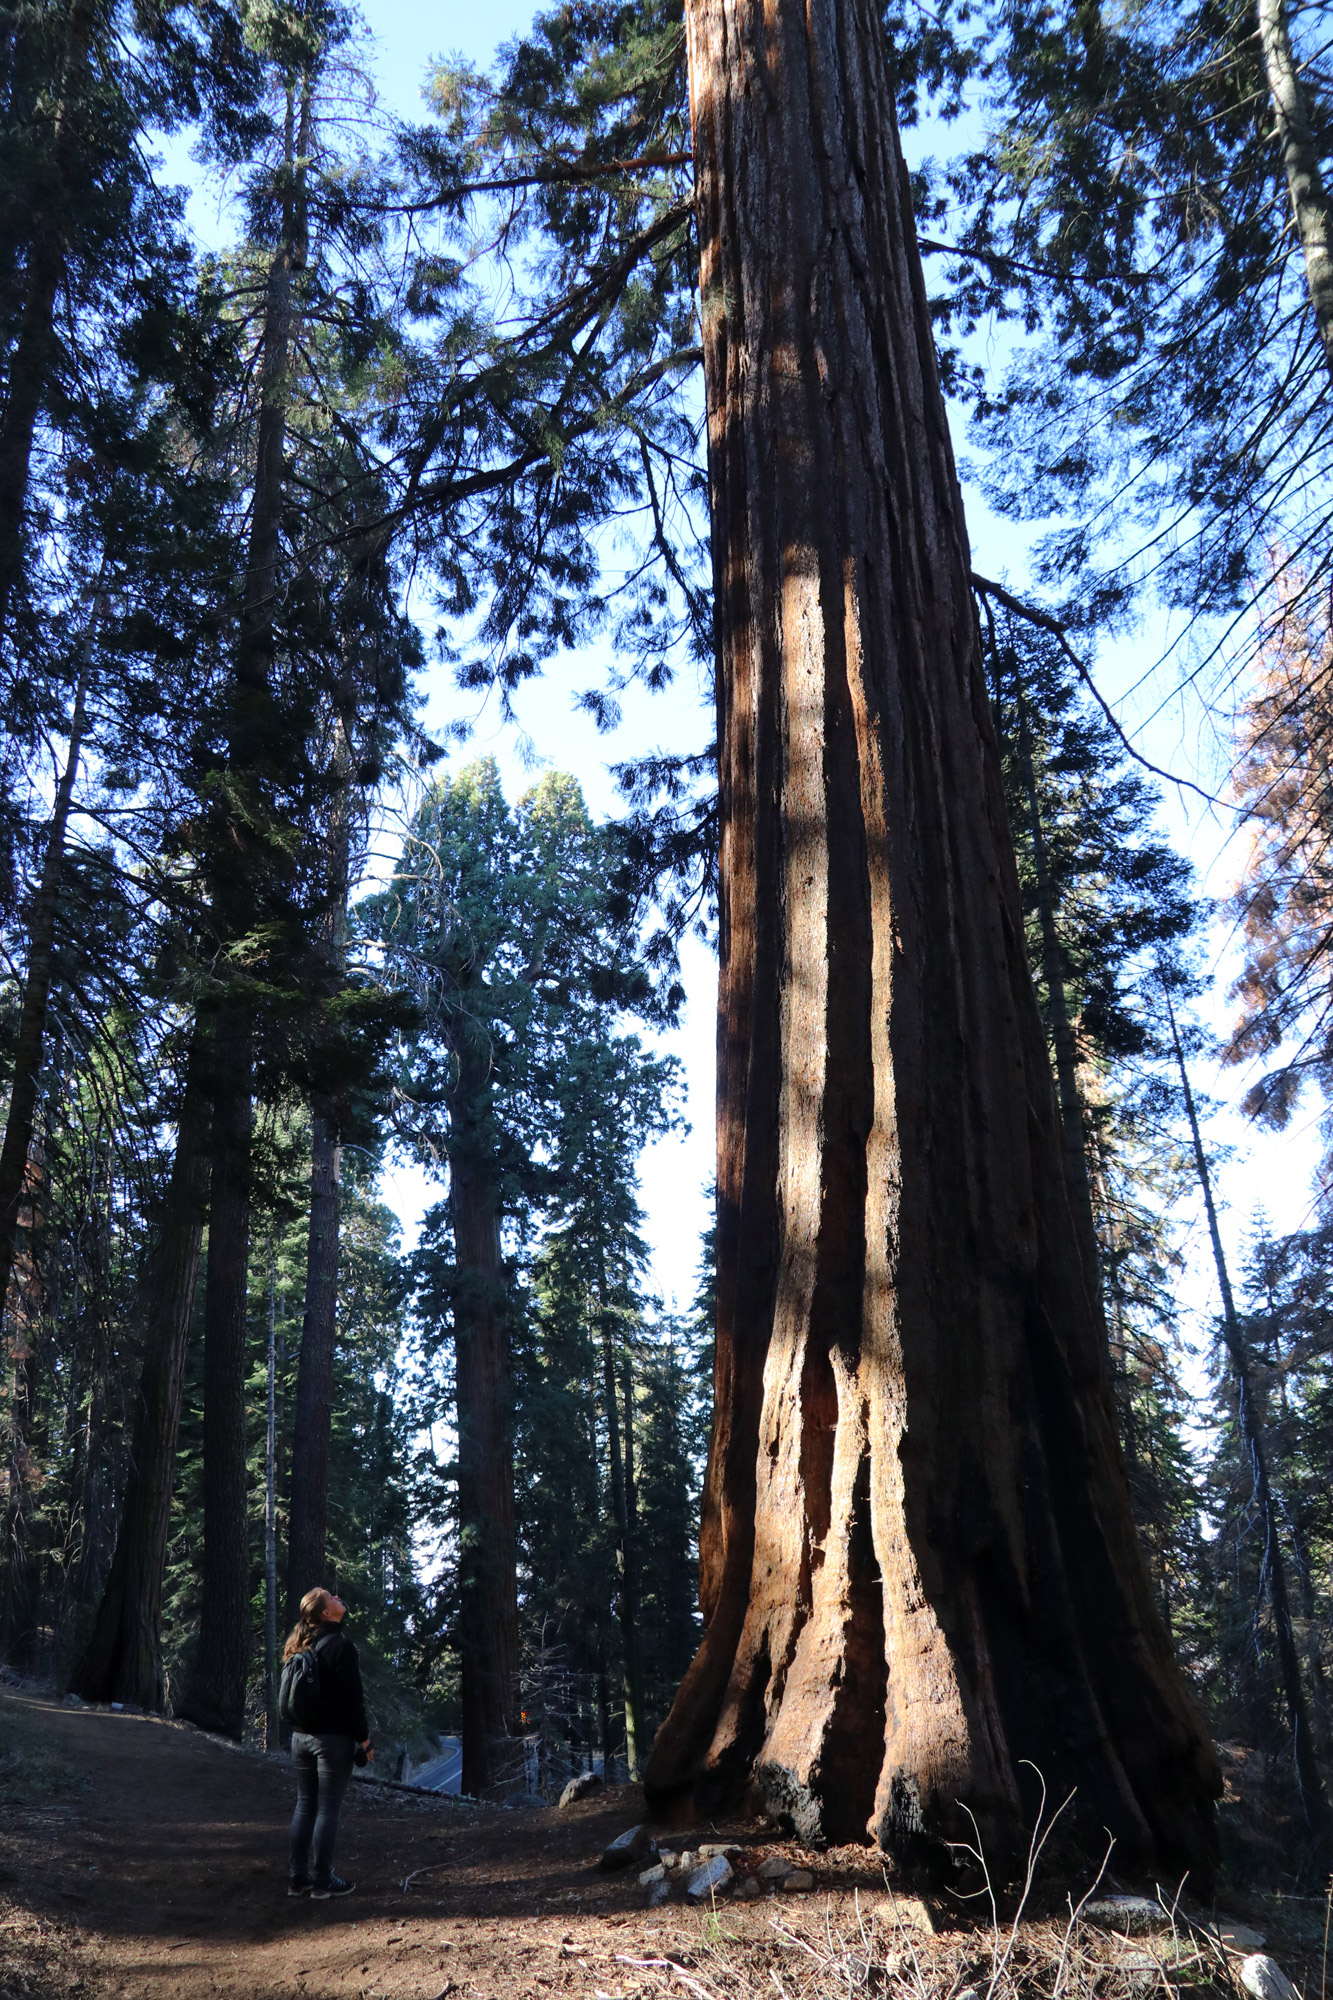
[(487, 1578), (918, 1564), (123, 1659)]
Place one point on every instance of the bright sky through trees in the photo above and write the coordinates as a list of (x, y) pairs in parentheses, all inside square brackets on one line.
[(1264, 1171)]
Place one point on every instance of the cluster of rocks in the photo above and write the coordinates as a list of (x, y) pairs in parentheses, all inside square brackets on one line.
[(714, 1868), (1138, 1916), (717, 1868)]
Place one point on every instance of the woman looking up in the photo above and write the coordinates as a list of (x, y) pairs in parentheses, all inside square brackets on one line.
[(323, 1753)]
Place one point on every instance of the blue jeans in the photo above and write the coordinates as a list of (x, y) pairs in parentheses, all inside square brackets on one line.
[(323, 1766)]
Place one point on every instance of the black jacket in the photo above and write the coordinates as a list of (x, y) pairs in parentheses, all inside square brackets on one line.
[(342, 1705)]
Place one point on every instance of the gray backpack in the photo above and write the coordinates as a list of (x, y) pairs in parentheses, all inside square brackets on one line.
[(299, 1688)]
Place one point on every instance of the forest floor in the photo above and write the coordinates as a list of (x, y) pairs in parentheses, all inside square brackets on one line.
[(140, 1858)]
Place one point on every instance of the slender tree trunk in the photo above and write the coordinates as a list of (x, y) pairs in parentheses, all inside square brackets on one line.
[(1314, 1660), (604, 1710), (627, 1592), (41, 968), (1062, 1032), (272, 1736), (1310, 204), (634, 1699), (1309, 1784), (100, 1443), (308, 1515), (487, 1558), (215, 1692), (308, 1506), (96, 1456), (919, 1568), (48, 239), (24, 1307), (123, 1660), (681, 1594)]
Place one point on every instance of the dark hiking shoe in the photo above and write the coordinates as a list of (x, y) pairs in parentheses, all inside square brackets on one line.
[(300, 1885), (335, 1886)]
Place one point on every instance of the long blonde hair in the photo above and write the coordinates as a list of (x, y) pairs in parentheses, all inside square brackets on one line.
[(306, 1629)]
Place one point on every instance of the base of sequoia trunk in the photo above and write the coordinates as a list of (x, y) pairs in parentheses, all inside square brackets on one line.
[(1016, 1663), (935, 1838), (926, 1634)]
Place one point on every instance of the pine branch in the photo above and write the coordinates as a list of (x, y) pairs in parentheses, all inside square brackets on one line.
[(1049, 623), (572, 171), (997, 261)]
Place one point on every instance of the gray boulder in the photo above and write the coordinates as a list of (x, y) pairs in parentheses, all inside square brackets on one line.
[(1264, 1978), (715, 1876), (634, 1844), (581, 1787), (1237, 1938), (1131, 1916)]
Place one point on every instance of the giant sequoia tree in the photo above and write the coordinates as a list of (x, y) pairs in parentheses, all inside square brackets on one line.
[(919, 1569)]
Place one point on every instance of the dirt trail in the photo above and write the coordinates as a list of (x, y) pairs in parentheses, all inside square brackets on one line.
[(154, 1864), (141, 1860)]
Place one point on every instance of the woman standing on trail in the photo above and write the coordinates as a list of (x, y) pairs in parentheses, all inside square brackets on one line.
[(324, 1749)]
